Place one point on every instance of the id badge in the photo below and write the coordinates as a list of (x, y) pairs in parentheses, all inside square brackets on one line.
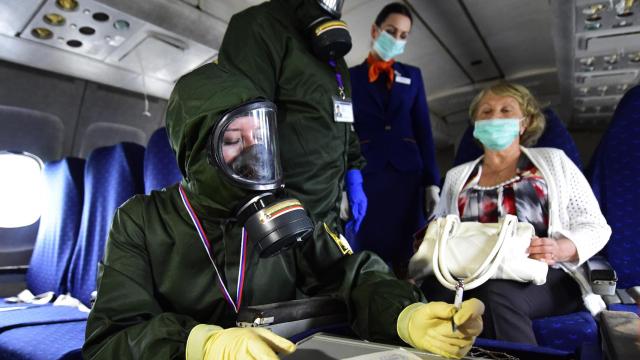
[(402, 80), (342, 110)]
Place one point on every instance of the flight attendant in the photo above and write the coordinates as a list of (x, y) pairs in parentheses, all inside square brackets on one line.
[(392, 121)]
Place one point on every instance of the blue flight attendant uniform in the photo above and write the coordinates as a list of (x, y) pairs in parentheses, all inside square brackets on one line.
[(396, 140)]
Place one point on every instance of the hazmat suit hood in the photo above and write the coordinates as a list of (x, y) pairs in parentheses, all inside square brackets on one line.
[(197, 103)]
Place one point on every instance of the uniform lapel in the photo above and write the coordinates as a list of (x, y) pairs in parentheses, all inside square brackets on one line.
[(396, 94), (373, 95)]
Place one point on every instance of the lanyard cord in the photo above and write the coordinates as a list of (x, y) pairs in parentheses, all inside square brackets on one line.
[(209, 250), (341, 93)]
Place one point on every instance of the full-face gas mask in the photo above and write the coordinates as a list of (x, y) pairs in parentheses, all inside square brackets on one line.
[(243, 145), (329, 35)]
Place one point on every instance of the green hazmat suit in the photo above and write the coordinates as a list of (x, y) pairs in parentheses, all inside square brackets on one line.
[(156, 281), (268, 44)]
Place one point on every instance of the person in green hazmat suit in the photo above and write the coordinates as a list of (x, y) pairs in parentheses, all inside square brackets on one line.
[(293, 50), (180, 262)]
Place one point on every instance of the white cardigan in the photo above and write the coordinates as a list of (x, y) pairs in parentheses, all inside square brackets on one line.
[(573, 209)]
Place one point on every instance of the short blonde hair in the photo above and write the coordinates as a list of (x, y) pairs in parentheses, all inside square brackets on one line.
[(528, 105)]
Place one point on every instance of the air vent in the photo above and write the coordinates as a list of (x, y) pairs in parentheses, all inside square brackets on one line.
[(85, 27)]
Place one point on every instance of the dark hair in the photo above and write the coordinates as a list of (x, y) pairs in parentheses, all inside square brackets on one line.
[(393, 8)]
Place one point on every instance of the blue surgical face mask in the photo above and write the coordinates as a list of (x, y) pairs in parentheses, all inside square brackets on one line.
[(496, 134), (387, 47)]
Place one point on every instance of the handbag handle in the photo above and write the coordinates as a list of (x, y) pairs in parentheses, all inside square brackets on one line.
[(508, 227)]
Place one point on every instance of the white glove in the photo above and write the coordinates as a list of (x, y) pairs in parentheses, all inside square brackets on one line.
[(431, 199), (345, 212)]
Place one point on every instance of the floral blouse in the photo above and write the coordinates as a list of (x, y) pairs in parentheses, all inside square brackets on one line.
[(524, 196)]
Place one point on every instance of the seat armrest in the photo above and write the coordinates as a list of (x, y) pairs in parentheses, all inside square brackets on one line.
[(602, 277)]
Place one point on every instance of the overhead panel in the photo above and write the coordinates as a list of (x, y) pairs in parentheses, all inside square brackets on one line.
[(613, 42), (599, 78), (159, 54), (607, 57), (87, 27), (177, 17), (607, 27), (518, 33), (111, 42), (449, 22), (155, 55)]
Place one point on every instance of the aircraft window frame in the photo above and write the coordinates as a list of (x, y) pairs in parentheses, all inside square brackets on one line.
[(21, 196)]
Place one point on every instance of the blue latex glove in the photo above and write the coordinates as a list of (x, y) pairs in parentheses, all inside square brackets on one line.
[(357, 198)]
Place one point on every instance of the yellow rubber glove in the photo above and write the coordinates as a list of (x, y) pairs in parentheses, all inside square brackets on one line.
[(428, 327), (210, 342)]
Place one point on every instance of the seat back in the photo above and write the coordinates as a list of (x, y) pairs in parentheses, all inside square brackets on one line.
[(59, 224), (160, 166), (612, 173), (555, 135), (113, 174)]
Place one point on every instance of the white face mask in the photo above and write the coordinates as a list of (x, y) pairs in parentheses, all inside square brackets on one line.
[(497, 134), (387, 47)]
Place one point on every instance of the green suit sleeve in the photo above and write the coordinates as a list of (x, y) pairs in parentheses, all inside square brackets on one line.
[(127, 322), (355, 160), (374, 296)]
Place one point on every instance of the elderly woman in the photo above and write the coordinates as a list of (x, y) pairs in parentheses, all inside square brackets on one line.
[(540, 186)]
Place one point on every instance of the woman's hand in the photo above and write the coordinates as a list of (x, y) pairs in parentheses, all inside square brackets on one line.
[(552, 250)]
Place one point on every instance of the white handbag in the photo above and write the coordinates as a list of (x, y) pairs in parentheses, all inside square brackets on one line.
[(467, 254)]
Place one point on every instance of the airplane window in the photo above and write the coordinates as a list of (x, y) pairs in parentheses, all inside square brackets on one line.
[(20, 189)]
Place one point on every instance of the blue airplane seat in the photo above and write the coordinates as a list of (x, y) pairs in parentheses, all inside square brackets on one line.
[(59, 226), (566, 332), (160, 166), (61, 341), (612, 172), (113, 175), (555, 135), (58, 229)]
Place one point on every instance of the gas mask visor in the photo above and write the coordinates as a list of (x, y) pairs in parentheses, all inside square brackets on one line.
[(244, 146)]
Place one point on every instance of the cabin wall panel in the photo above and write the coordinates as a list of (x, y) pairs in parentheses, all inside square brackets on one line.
[(78, 103), (104, 104), (43, 91)]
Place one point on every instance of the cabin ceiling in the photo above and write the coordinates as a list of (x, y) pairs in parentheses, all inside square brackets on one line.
[(578, 56)]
